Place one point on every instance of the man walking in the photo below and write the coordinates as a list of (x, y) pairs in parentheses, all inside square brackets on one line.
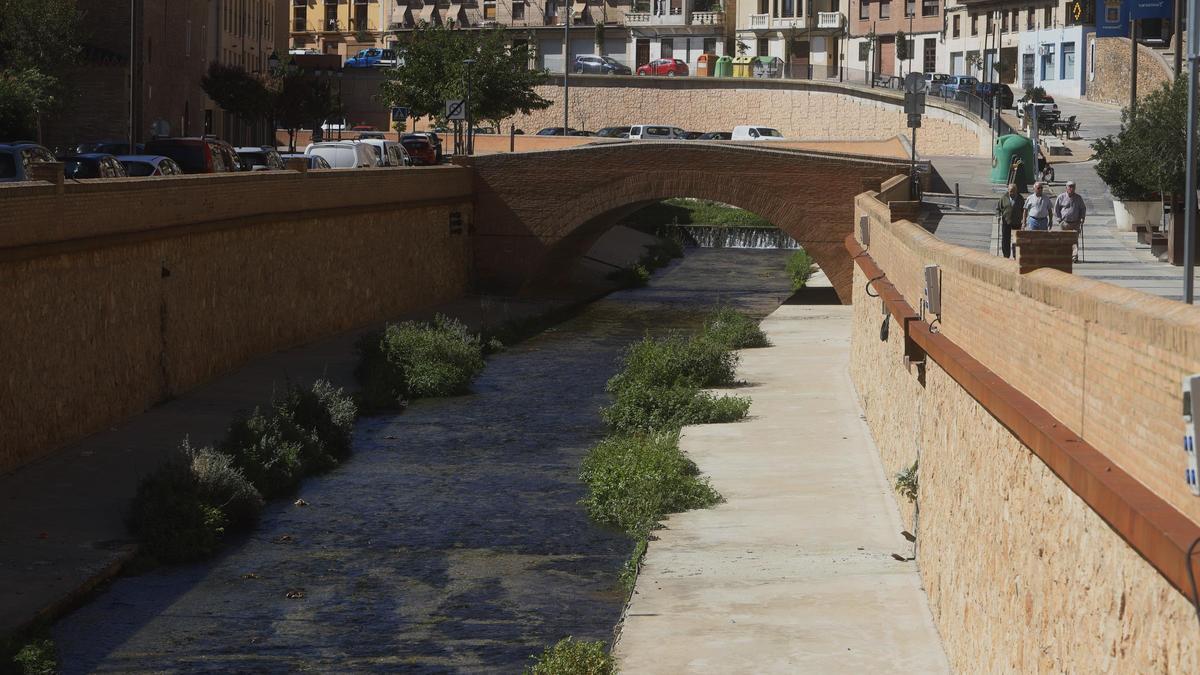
[(1070, 211), (1008, 212), (1038, 210)]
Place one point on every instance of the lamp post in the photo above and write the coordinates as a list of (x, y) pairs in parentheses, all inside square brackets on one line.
[(566, 66), (273, 71), (470, 118), (341, 110), (1189, 200), (132, 88)]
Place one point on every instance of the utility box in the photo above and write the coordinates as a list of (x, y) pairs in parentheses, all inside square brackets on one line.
[(767, 67), (724, 67), (706, 65), (742, 66), (1012, 148)]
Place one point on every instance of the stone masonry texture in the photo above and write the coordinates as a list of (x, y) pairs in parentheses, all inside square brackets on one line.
[(1022, 575), (1111, 81), (120, 294), (533, 228)]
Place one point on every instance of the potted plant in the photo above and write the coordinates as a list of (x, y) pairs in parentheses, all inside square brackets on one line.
[(1115, 164)]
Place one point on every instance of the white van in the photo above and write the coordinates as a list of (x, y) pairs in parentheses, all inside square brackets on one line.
[(747, 132), (654, 132), (344, 154), (390, 153)]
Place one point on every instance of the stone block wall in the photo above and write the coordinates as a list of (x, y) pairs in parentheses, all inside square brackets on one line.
[(1112, 71), (120, 294), (1022, 575)]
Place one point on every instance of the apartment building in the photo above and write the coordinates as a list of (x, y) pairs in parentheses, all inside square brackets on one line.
[(1024, 45), (677, 29), (340, 27), (808, 35), (874, 26)]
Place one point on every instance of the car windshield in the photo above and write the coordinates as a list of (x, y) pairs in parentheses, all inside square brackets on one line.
[(190, 156), (768, 131), (79, 168), (138, 168), (250, 159), (611, 61), (665, 132)]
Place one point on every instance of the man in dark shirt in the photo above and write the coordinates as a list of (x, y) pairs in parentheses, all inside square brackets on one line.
[(1008, 212)]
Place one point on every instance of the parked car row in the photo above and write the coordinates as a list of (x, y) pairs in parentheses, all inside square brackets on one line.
[(949, 86), (666, 132)]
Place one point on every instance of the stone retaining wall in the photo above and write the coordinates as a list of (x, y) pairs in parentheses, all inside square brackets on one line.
[(1022, 575), (1110, 84), (120, 294)]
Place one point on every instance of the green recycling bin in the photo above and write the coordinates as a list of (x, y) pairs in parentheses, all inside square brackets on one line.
[(1012, 148), (767, 66), (724, 67), (742, 66)]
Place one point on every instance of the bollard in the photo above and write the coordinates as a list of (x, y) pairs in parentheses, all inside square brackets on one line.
[(512, 137), (957, 201)]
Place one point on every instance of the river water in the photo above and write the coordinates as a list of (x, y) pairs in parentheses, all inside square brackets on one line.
[(451, 541)]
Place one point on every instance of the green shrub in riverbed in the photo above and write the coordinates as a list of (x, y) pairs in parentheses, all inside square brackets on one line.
[(38, 657), (635, 480), (799, 268), (573, 657), (734, 330), (329, 414), (642, 407), (418, 360), (676, 360), (172, 518), (223, 485), (634, 276), (270, 450), (629, 572)]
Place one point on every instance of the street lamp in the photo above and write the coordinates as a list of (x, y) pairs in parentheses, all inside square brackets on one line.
[(273, 61), (567, 9), (470, 118)]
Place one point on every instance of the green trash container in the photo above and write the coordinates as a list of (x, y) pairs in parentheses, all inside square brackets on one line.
[(724, 67), (1008, 149), (742, 66)]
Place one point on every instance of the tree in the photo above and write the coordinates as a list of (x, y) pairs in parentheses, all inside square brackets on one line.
[(298, 98), (432, 72), (901, 46), (1148, 155), (38, 41), (237, 91)]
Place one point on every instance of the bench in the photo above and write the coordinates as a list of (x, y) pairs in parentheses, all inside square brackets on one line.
[(1144, 232), (1056, 146)]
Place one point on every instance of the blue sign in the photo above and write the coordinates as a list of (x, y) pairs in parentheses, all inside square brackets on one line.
[(399, 113), (1113, 16)]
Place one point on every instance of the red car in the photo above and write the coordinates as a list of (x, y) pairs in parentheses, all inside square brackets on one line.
[(668, 67), (418, 147)]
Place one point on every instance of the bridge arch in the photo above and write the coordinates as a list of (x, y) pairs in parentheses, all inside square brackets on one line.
[(539, 212)]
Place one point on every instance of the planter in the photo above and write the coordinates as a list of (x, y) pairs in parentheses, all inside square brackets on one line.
[(1129, 214)]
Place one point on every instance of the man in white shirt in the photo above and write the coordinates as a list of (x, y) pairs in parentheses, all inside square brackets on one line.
[(1038, 209)]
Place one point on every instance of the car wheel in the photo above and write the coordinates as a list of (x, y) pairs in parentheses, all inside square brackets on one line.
[(641, 72), (579, 71), (671, 74)]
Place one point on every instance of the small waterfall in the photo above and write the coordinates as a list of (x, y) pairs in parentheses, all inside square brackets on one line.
[(710, 236)]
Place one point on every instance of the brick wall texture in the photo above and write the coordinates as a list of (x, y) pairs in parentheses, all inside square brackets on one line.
[(119, 294), (540, 211), (1007, 550), (1112, 68)]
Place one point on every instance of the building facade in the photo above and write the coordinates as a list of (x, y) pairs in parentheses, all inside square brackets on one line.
[(807, 35), (875, 26)]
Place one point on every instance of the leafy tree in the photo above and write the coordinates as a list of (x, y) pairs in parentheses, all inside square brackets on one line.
[(298, 99), (432, 72), (38, 39), (901, 46), (1148, 155), (237, 91)]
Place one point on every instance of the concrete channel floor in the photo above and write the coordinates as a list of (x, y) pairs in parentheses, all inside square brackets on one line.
[(793, 572)]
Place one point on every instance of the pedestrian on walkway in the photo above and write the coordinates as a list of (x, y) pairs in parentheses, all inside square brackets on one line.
[(1069, 208), (1008, 213), (1039, 210)]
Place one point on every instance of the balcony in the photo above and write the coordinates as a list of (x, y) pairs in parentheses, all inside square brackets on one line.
[(676, 17), (708, 18), (783, 23), (760, 21), (829, 20)]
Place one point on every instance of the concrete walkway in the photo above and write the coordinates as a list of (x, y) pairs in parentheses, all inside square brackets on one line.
[(1110, 256), (794, 572)]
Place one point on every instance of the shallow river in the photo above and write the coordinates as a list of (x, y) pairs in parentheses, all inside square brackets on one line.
[(451, 541)]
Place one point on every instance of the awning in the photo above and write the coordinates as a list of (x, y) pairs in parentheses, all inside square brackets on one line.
[(426, 13), (580, 8), (454, 14)]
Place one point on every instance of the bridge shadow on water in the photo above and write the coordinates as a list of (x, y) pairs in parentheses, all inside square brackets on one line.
[(451, 541)]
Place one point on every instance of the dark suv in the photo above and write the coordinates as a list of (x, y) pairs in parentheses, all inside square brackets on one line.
[(986, 90), (197, 155), (600, 65)]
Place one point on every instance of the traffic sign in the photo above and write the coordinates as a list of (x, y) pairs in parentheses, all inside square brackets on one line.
[(914, 83), (399, 113), (455, 110), (914, 104), (914, 121)]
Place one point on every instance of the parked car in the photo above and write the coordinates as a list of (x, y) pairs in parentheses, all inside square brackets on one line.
[(421, 150), (17, 158), (374, 56), (92, 165), (654, 132), (555, 131), (314, 161), (613, 132), (934, 82), (692, 135), (580, 132), (344, 154), (435, 140), (987, 90), (263, 158), (715, 136), (1049, 110), (668, 67), (149, 165), (334, 127), (196, 154), (111, 147), (959, 83), (391, 153), (370, 133), (748, 132), (600, 65)]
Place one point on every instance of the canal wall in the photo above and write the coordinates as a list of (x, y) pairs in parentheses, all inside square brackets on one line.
[(119, 294), (1053, 515)]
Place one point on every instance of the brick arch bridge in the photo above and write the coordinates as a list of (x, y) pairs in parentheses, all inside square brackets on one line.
[(538, 212)]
